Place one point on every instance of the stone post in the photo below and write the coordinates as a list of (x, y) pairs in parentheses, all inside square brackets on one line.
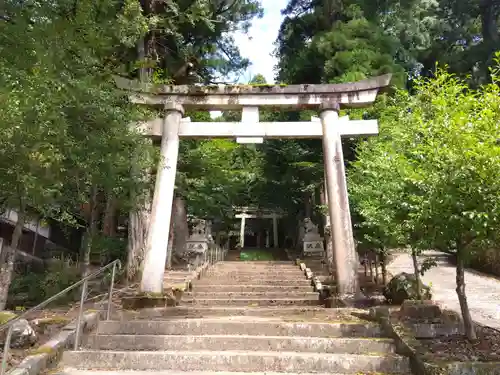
[(242, 231), (267, 238), (159, 225), (345, 257), (275, 231)]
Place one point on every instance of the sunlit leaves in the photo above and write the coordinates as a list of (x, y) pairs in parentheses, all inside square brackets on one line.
[(433, 177)]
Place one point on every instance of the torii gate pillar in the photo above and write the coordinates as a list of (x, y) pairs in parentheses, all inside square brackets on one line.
[(338, 204), (161, 211)]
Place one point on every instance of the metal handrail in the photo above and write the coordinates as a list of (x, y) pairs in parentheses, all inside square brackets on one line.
[(84, 282)]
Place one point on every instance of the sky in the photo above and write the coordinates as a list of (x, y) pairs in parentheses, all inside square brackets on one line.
[(258, 44)]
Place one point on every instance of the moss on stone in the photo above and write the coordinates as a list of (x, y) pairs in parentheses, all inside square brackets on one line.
[(5, 316), (44, 349), (53, 320)]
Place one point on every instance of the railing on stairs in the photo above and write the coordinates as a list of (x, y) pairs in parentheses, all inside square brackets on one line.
[(114, 265), (212, 255)]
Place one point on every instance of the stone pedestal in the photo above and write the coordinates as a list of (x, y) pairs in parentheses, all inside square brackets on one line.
[(197, 243), (312, 242)]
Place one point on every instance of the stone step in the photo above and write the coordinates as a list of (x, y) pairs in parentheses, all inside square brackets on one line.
[(241, 342), (238, 326), (255, 270), (263, 275), (294, 273), (253, 281), (73, 371), (284, 312), (174, 280), (251, 295), (256, 262), (235, 361), (248, 301), (243, 266), (252, 288)]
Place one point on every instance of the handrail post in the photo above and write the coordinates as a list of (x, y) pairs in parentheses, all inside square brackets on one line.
[(6, 350), (80, 313), (110, 297)]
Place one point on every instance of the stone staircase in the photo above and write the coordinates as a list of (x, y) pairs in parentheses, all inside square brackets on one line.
[(242, 317), (253, 284)]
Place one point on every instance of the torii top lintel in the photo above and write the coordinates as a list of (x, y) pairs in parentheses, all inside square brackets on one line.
[(221, 97)]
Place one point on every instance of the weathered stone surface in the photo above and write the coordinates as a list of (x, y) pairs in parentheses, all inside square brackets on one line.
[(23, 335), (368, 84), (257, 281), (284, 312), (50, 352), (256, 327), (242, 342), (243, 301), (420, 309), (403, 287), (270, 294), (233, 288), (237, 361), (230, 325), (308, 273), (430, 330), (143, 301)]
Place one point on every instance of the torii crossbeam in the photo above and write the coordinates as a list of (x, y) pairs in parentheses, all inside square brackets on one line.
[(328, 98)]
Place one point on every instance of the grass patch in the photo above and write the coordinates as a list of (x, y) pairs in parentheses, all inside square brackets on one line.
[(252, 255)]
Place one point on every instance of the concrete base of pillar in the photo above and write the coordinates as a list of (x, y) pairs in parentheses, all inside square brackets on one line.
[(358, 300), (143, 301)]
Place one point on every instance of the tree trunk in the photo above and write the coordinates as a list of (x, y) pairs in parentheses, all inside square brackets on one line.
[(90, 233), (181, 227), (109, 220), (383, 265), (171, 239), (308, 205), (489, 28), (138, 224), (137, 235), (8, 258), (470, 331), (35, 237), (142, 53), (416, 271)]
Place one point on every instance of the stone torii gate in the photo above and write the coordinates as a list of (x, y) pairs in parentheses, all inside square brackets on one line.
[(252, 213), (328, 98)]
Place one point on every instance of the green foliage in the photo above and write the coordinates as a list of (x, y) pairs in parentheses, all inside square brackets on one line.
[(252, 255), (432, 177), (30, 288), (403, 287), (106, 249), (198, 32)]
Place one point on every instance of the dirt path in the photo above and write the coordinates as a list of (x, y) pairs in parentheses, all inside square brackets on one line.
[(483, 291)]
